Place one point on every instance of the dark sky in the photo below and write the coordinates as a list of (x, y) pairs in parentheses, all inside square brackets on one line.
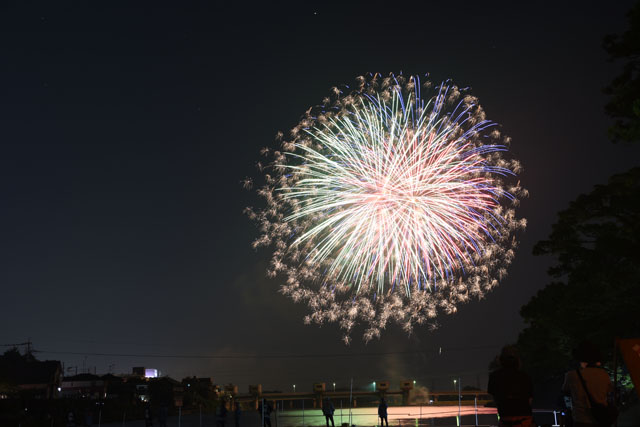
[(125, 133)]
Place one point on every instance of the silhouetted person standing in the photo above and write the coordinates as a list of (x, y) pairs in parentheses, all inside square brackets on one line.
[(266, 413), (148, 416), (71, 419), (328, 410), (88, 417), (221, 413), (512, 390), (596, 380), (163, 415), (236, 414), (382, 412)]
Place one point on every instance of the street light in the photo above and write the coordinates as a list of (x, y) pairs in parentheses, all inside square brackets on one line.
[(294, 388), (459, 399), (374, 386), (334, 386)]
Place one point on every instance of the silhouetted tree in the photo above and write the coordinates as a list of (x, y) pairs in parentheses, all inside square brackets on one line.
[(595, 295), (596, 243), (624, 106)]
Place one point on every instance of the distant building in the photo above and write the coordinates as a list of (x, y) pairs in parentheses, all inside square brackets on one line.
[(86, 386), (196, 390), (203, 383), (35, 378)]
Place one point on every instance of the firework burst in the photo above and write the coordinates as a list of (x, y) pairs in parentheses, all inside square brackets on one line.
[(389, 202)]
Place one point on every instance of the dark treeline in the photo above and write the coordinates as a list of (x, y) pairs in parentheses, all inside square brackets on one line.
[(593, 294)]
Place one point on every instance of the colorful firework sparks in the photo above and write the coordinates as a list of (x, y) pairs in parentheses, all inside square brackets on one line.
[(388, 205)]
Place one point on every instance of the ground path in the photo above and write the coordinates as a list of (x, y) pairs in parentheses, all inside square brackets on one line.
[(398, 416)]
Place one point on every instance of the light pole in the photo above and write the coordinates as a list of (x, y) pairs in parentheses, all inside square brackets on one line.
[(459, 397), (294, 388), (374, 386), (334, 387)]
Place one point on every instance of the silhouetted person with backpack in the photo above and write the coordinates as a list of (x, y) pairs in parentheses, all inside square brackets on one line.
[(590, 389)]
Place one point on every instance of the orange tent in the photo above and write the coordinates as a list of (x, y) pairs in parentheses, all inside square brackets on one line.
[(630, 350)]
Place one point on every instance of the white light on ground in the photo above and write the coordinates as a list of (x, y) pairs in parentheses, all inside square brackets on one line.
[(369, 416)]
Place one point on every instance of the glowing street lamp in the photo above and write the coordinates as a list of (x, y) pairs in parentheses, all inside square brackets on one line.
[(374, 386), (334, 386), (459, 399), (294, 388)]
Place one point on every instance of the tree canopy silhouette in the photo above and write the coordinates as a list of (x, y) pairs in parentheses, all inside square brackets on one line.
[(624, 106), (595, 292), (594, 295)]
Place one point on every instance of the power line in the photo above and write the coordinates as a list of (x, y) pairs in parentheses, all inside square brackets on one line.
[(236, 356), (263, 356)]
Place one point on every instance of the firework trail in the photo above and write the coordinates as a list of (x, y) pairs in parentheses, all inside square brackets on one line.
[(389, 202)]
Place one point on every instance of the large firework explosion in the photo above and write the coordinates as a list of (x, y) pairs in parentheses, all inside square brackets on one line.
[(391, 201)]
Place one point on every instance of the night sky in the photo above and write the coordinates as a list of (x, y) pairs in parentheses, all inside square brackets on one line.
[(125, 134)]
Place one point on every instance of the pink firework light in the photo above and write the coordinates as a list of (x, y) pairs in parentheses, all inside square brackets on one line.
[(385, 205)]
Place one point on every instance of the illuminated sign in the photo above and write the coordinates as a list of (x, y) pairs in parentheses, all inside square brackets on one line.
[(151, 373)]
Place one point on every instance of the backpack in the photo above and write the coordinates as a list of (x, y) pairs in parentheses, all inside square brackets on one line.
[(605, 415)]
